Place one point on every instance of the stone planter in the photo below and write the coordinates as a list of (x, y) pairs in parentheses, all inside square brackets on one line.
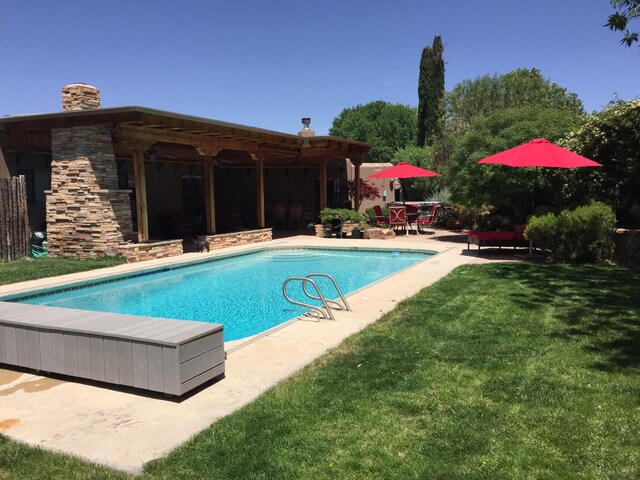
[(379, 233), (627, 247)]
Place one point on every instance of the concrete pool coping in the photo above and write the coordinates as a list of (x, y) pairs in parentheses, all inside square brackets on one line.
[(124, 429)]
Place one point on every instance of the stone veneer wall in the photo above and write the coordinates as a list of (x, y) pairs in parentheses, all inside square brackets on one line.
[(239, 238), (86, 212), (627, 250), (138, 252)]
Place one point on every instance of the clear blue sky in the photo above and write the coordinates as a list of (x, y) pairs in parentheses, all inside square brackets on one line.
[(268, 63)]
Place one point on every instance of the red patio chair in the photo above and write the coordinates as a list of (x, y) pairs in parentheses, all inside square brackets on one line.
[(381, 220), (412, 214), (430, 219), (398, 217)]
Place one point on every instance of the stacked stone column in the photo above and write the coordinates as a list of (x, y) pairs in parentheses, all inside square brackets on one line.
[(86, 212)]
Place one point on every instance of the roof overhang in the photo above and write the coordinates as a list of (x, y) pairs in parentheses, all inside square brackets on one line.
[(146, 126)]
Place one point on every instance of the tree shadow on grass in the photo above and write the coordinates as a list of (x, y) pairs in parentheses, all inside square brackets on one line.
[(597, 304)]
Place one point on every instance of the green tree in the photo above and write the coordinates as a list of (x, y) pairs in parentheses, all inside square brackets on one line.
[(368, 191), (610, 137), (387, 126), (517, 89), (431, 93), (626, 10), (508, 189)]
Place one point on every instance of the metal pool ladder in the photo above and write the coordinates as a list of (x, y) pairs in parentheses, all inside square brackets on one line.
[(318, 312)]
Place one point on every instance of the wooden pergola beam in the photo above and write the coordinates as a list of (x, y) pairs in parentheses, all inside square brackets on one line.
[(130, 133)]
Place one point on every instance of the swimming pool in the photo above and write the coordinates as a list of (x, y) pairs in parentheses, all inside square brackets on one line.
[(243, 292)]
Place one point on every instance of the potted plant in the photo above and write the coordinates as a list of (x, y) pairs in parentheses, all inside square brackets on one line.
[(337, 216), (359, 229)]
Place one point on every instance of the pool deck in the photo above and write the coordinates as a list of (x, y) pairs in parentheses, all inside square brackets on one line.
[(125, 428)]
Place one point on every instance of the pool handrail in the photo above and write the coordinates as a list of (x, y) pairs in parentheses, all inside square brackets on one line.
[(338, 305), (321, 312)]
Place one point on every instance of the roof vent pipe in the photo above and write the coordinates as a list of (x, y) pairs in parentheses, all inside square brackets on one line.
[(306, 131)]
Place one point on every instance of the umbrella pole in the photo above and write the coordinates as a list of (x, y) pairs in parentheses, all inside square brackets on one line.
[(533, 205)]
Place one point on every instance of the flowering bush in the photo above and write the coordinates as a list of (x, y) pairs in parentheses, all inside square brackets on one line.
[(612, 138)]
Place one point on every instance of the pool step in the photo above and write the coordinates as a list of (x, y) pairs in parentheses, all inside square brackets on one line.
[(293, 256)]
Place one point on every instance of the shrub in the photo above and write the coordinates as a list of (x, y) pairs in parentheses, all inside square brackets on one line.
[(344, 214), (440, 195), (583, 235), (472, 217), (370, 216)]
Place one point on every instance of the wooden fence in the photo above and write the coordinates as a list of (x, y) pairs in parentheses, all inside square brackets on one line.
[(14, 219)]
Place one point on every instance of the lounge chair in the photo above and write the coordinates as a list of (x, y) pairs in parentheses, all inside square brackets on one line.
[(504, 238)]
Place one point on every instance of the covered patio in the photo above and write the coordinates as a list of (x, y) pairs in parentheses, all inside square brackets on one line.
[(146, 174)]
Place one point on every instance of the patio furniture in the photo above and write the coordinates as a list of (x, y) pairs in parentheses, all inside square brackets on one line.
[(295, 216), (381, 220), (430, 219), (307, 217), (504, 238), (412, 214), (398, 217), (279, 216)]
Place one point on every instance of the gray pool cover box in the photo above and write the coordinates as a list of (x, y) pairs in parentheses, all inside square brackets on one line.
[(158, 354)]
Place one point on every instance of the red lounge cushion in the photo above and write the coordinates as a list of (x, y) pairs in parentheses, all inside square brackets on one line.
[(503, 236)]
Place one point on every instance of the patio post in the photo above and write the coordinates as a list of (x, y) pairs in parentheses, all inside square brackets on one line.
[(209, 195), (259, 189), (141, 193), (209, 190), (323, 183), (357, 162)]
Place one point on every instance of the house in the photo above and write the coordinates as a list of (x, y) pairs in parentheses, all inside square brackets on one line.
[(99, 178), (384, 185)]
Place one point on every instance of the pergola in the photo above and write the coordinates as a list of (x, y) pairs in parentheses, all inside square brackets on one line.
[(148, 136)]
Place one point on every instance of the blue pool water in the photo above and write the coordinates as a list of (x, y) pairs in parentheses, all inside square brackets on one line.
[(243, 292)]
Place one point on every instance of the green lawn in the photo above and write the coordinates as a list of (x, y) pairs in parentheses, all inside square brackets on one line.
[(34, 268), (498, 371)]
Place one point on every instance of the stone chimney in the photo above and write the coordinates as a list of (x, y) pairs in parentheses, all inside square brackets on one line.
[(80, 96), (306, 131)]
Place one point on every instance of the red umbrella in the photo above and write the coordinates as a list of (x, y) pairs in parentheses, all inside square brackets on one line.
[(540, 152), (404, 170)]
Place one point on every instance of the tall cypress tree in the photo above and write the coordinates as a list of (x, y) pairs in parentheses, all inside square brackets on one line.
[(431, 93)]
